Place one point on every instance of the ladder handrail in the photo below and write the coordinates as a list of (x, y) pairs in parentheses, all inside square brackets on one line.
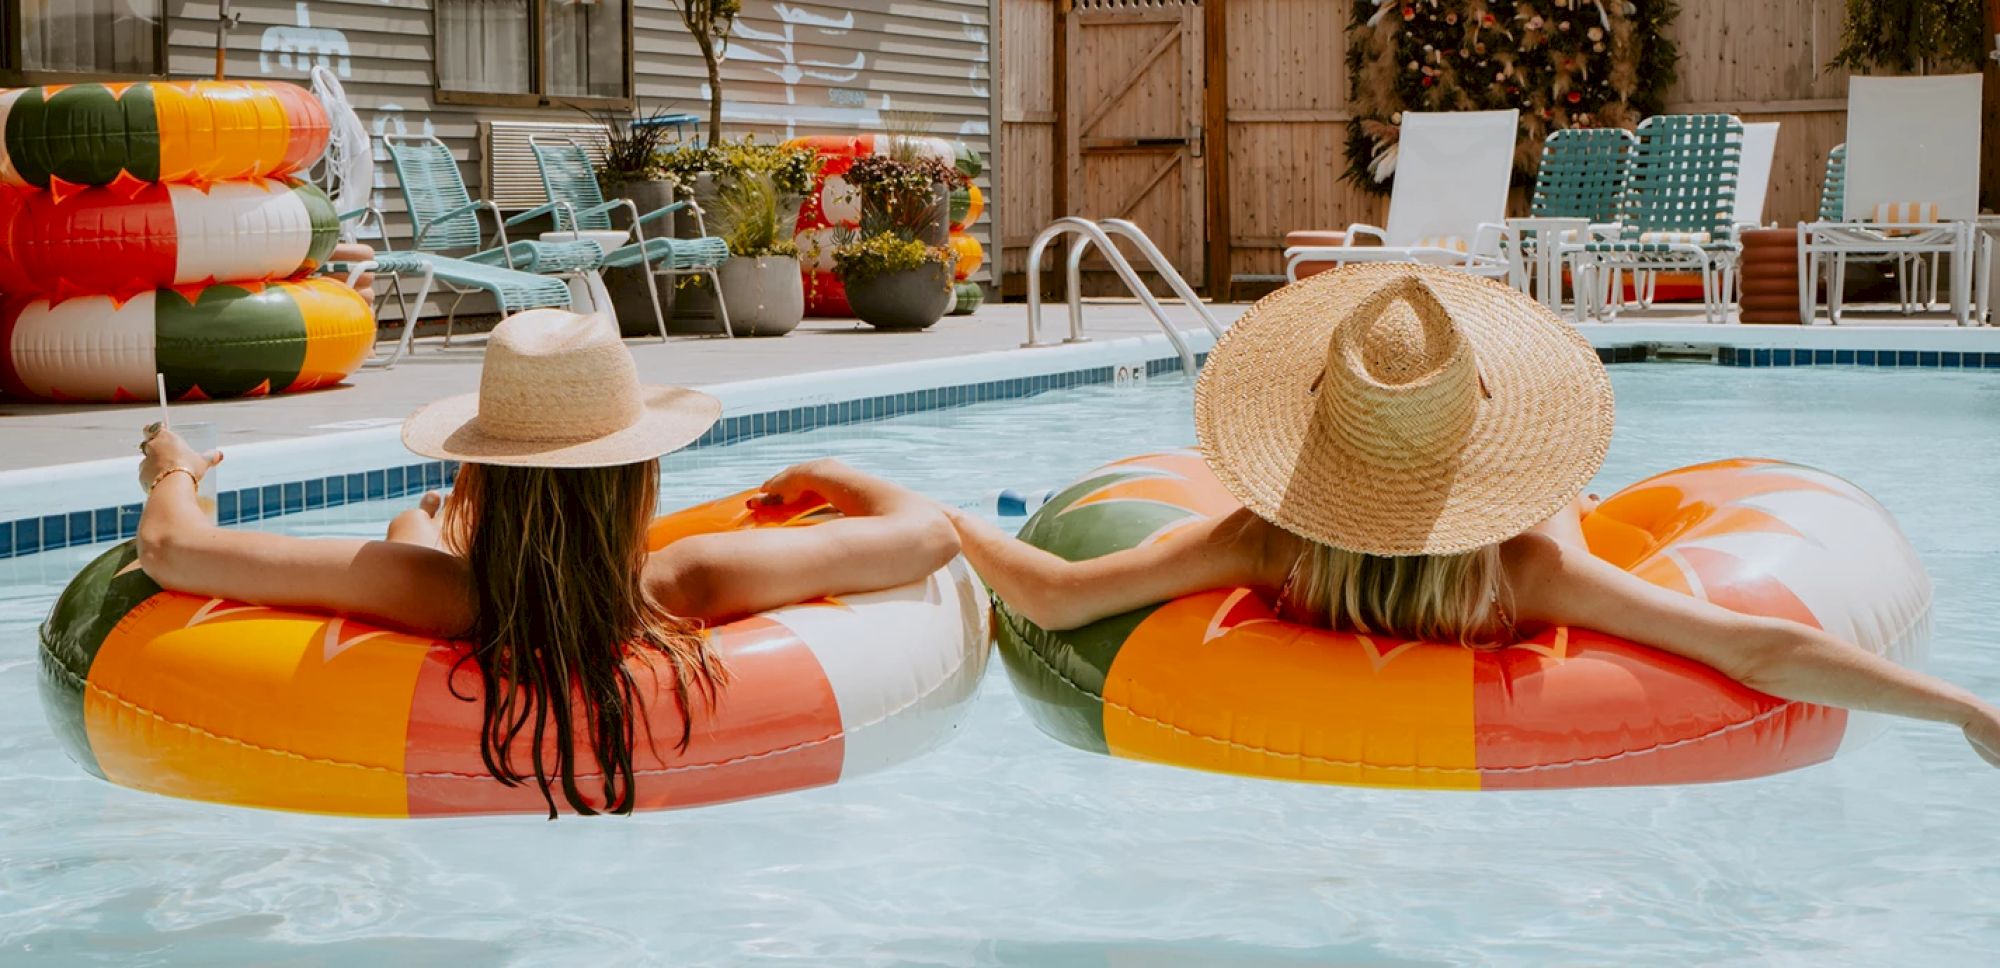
[(1161, 265), (1092, 233)]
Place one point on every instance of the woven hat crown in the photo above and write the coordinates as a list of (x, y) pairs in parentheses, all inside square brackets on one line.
[(555, 380), (1401, 382)]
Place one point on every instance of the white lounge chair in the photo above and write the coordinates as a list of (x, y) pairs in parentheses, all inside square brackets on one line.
[(1448, 202), (1911, 187)]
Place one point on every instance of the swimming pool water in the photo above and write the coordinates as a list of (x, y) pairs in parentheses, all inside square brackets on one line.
[(1007, 848)]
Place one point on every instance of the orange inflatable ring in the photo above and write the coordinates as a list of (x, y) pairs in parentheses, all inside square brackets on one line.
[(1216, 681), (215, 700)]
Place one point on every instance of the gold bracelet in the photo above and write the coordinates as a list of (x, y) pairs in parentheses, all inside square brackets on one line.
[(169, 472)]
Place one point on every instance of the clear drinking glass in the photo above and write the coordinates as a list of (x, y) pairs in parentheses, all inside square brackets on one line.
[(202, 438)]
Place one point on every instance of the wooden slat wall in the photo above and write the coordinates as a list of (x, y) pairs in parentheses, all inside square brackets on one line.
[(1028, 119), (847, 62), (1287, 103)]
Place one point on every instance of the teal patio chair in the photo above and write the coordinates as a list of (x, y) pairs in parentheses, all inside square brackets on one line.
[(512, 290), (445, 220), (1577, 188), (1678, 208), (570, 179)]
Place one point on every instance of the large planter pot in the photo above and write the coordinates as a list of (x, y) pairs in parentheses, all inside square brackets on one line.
[(694, 297), (629, 298), (766, 296), (908, 300)]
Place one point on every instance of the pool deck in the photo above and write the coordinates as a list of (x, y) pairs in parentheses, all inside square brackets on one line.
[(37, 435)]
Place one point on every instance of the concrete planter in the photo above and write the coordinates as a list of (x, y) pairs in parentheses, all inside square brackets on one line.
[(911, 299), (766, 296), (627, 286), (694, 297)]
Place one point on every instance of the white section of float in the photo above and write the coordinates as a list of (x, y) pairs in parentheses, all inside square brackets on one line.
[(239, 230), (91, 347), (903, 663)]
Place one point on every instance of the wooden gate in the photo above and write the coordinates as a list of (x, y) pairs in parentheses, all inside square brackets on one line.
[(1131, 124)]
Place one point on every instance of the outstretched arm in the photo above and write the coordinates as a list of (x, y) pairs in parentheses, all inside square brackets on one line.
[(1053, 593), (888, 536), (1564, 585), (393, 583)]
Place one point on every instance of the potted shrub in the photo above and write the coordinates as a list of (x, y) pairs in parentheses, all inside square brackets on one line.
[(760, 282), (631, 169), (894, 281), (910, 192), (705, 173)]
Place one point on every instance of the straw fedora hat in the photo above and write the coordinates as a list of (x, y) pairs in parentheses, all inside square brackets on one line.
[(1402, 409), (559, 389)]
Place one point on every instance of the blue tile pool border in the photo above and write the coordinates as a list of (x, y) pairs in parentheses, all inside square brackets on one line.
[(26, 536)]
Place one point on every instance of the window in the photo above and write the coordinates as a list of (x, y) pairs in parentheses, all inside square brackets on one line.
[(487, 50), (100, 38)]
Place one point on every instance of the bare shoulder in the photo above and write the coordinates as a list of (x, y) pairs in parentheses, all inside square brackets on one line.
[(1534, 564), (1271, 551)]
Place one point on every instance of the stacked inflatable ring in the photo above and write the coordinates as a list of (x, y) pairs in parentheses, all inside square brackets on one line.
[(834, 207), (194, 697), (156, 227), (1217, 681)]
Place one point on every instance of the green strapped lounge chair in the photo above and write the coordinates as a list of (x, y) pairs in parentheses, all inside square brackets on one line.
[(446, 221), (1577, 189), (1678, 207), (513, 291), (570, 179)]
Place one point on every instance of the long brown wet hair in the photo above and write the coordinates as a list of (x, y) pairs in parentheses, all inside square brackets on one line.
[(1461, 598), (557, 556)]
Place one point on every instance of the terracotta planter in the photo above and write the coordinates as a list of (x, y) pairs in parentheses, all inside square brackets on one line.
[(627, 286), (912, 299), (766, 296)]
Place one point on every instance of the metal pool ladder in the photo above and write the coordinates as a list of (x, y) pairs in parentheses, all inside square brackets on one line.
[(1098, 233)]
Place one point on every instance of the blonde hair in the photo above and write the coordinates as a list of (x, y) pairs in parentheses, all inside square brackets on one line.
[(556, 557), (1433, 598)]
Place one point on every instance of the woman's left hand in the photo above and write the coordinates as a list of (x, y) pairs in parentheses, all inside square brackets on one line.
[(165, 450)]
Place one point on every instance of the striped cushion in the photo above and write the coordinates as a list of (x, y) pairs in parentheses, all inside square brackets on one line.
[(1906, 213), (1669, 238), (1452, 242)]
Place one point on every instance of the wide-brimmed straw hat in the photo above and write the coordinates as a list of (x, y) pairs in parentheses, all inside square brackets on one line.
[(1401, 409), (559, 390)]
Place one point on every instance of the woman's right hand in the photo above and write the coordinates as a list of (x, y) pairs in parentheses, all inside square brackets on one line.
[(1983, 732), (164, 450)]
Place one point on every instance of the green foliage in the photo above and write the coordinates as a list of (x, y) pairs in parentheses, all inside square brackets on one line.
[(747, 217), (904, 196), (1561, 63), (634, 149), (791, 170), (710, 23), (1911, 36), (877, 255)]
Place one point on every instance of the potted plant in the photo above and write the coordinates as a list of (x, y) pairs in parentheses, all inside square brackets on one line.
[(761, 283), (894, 281), (705, 172), (911, 192), (631, 169)]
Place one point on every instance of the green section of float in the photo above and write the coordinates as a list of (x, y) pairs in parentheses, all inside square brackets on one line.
[(966, 159), (1060, 676), (229, 340), (95, 601), (325, 223), (966, 298), (84, 134)]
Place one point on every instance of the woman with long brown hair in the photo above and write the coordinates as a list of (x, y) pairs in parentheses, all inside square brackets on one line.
[(539, 560)]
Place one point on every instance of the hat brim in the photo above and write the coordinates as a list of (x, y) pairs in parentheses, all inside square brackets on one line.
[(1539, 437), (670, 418)]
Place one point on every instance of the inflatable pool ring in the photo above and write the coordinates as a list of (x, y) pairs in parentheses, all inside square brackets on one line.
[(113, 242), (966, 298), (157, 131), (213, 700), (226, 340), (966, 204), (1216, 681), (967, 256)]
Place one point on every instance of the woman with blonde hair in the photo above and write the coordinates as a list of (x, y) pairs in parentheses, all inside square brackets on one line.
[(1408, 445), (540, 560)]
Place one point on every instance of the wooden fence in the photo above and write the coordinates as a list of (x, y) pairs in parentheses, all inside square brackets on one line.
[(1276, 110)]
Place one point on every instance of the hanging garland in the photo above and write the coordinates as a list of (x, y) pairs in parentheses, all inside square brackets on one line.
[(1561, 63)]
